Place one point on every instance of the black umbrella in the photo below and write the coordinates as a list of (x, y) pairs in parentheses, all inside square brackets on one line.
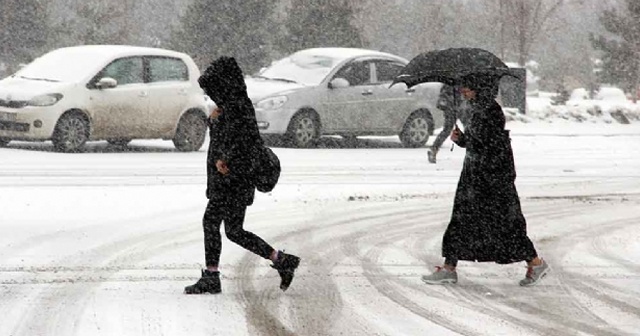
[(449, 66)]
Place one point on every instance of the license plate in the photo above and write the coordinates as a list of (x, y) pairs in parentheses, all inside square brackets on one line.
[(5, 116)]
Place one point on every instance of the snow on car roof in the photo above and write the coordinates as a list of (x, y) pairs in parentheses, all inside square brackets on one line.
[(344, 53), (119, 50), (73, 64)]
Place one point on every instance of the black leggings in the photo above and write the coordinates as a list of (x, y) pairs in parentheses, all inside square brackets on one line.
[(233, 217)]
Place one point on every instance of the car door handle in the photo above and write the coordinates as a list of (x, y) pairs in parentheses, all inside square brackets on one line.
[(367, 93), (410, 90), (143, 94), (182, 92)]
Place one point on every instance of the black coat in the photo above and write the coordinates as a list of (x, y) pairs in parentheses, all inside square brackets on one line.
[(233, 137), (487, 222)]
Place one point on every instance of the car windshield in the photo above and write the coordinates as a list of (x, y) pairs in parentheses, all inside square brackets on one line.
[(304, 68), (63, 66)]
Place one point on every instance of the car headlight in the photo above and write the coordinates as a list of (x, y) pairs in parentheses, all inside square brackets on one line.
[(45, 100), (272, 103)]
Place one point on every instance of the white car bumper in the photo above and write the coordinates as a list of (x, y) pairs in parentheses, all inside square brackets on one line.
[(274, 121), (29, 123)]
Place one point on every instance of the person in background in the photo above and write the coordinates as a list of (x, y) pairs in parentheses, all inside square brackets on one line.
[(487, 223), (230, 185), (449, 103)]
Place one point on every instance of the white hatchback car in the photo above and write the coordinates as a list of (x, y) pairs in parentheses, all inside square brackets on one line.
[(114, 93), (342, 91)]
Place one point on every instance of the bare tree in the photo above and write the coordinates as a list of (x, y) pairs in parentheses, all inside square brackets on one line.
[(411, 26), (431, 19), (522, 22)]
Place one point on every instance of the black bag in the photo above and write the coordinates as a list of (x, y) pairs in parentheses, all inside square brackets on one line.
[(266, 169)]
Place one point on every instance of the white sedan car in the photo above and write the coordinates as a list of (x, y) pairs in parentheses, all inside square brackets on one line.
[(342, 91), (114, 93)]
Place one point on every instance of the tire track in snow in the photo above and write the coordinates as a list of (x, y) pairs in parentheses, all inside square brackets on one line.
[(476, 302), (413, 221), (310, 320), (387, 286), (593, 288), (62, 304), (578, 319), (392, 286), (552, 318)]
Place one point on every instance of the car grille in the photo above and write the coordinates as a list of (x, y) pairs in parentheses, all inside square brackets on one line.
[(13, 103), (14, 126)]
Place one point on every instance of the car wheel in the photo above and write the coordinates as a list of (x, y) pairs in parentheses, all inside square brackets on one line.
[(304, 130), (4, 142), (415, 132), (71, 133), (119, 142), (190, 133)]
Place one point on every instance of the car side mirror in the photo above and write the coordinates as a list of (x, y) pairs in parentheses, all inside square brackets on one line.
[(339, 83), (106, 83)]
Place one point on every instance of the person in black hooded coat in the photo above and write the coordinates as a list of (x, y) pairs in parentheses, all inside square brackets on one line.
[(234, 137), (487, 223)]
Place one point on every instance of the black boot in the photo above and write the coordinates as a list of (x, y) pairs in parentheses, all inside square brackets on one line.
[(208, 283), (286, 264)]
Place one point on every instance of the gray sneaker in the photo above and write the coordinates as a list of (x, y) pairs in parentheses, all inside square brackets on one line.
[(441, 276), (535, 274)]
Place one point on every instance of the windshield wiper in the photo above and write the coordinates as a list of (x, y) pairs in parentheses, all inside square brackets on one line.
[(277, 79), (40, 79)]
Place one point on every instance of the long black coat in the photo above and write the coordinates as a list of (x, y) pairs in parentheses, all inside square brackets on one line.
[(233, 136), (487, 222)]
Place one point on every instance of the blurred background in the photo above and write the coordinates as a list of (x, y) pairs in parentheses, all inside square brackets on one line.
[(564, 44)]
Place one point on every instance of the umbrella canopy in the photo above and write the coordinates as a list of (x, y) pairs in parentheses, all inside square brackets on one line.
[(449, 66)]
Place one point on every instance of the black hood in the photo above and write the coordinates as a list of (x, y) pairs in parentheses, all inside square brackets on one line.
[(486, 88), (223, 82)]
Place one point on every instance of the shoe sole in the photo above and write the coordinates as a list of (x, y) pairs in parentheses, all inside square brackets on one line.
[(201, 293), (440, 282)]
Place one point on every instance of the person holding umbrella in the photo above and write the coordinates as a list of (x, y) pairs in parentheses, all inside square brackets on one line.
[(487, 224)]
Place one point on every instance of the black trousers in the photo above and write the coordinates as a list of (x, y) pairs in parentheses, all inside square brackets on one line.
[(449, 121), (233, 217)]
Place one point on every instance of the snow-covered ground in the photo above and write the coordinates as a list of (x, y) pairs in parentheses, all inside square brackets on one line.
[(103, 242), (606, 109)]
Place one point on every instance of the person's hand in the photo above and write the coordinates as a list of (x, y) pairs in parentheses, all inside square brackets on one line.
[(456, 133), (215, 113), (222, 168)]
